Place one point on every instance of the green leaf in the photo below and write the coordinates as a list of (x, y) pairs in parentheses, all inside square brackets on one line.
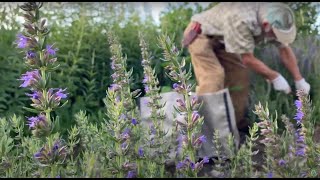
[(65, 103), (31, 110)]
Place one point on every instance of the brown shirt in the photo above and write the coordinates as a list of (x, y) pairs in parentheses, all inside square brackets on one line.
[(237, 23)]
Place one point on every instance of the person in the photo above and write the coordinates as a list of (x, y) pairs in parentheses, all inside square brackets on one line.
[(221, 42)]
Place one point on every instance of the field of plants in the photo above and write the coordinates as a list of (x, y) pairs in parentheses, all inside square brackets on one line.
[(71, 75)]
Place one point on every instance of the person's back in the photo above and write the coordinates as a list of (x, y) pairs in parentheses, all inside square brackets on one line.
[(214, 21)]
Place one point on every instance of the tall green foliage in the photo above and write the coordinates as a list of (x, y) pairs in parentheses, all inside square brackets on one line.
[(306, 17), (78, 29)]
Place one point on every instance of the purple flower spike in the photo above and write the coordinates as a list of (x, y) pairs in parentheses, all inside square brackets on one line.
[(299, 115), (301, 152), (22, 41), (298, 104)]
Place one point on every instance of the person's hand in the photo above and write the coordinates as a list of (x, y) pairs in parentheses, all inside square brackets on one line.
[(281, 84), (302, 85)]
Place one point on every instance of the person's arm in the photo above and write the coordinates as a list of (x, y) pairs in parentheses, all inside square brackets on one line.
[(289, 60), (278, 81), (249, 60)]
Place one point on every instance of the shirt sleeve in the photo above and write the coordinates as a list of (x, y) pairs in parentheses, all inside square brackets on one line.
[(238, 37)]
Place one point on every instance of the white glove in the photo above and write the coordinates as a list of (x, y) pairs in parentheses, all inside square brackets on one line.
[(302, 85), (281, 84)]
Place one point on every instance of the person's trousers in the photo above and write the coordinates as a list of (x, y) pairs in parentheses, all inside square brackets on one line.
[(216, 69)]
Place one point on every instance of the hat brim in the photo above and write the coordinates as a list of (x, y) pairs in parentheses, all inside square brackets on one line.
[(285, 37)]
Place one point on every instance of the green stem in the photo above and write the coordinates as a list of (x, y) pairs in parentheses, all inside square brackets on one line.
[(139, 168), (119, 154)]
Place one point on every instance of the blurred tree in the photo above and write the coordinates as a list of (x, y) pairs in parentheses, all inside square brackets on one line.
[(306, 17)]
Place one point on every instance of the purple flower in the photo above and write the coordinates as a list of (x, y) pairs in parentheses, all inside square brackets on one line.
[(56, 146), (195, 116), (153, 130), (300, 138), (301, 152), (22, 41), (35, 95), (299, 115), (192, 165), (134, 121), (266, 131), (140, 152), (205, 159), (281, 162), (298, 104), (200, 140), (30, 78), (180, 165), (145, 79), (124, 146), (146, 88), (37, 154), (203, 138), (114, 75), (30, 55), (175, 86), (126, 134), (34, 121), (114, 87), (269, 175), (131, 174), (50, 50), (181, 104), (60, 94), (194, 102)]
